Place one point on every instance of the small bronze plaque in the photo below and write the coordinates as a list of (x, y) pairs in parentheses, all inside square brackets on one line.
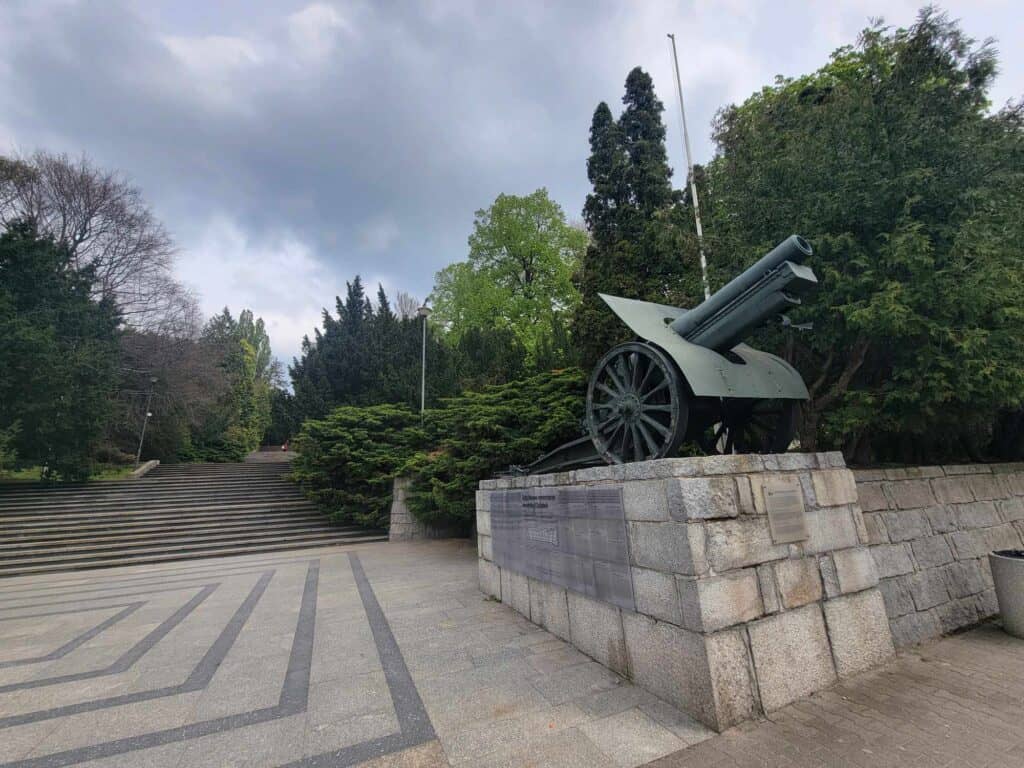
[(785, 504)]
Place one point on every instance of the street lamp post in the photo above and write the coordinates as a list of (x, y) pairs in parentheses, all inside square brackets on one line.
[(145, 420), (423, 312)]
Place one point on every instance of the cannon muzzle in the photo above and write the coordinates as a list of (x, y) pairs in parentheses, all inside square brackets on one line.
[(769, 287)]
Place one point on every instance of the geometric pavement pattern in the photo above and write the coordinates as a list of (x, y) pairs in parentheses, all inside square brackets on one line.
[(290, 659), (388, 655)]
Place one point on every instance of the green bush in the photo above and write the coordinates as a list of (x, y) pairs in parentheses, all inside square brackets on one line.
[(347, 460)]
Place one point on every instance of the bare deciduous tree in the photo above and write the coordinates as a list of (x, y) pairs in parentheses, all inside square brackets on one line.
[(406, 305), (106, 225)]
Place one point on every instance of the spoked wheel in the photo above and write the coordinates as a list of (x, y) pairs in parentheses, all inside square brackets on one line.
[(636, 407), (751, 426)]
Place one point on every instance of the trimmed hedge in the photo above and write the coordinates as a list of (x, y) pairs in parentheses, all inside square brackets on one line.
[(348, 459)]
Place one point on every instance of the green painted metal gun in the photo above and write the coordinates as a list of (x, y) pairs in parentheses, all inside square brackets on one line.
[(690, 379)]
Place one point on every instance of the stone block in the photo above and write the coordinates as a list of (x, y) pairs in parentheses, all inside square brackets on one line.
[(730, 669), (931, 552), (791, 654), (964, 469), (770, 597), (874, 523), (669, 547), (968, 545), (1015, 483), (484, 547), (515, 591), (831, 459), (858, 628), (957, 614), (910, 494), (830, 529), (702, 498), (892, 559), (741, 543), (717, 602), (986, 604), (859, 524), (928, 589), (978, 514), (732, 464), (745, 496), (1011, 509), (872, 497), (868, 475), (490, 579), (907, 525), (549, 608), (656, 595), (896, 595), (915, 628), (790, 462), (798, 581), (941, 519), (964, 579), (828, 576), (987, 487), (1003, 536), (898, 473), (926, 472), (483, 501), (645, 500), (671, 663), (952, 490), (483, 521), (855, 569), (596, 629), (834, 487)]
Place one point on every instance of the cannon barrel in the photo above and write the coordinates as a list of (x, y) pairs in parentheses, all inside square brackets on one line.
[(767, 288)]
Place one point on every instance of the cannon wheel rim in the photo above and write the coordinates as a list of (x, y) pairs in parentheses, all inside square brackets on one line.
[(758, 426), (636, 404)]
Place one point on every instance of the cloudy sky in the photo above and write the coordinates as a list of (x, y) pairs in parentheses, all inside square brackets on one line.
[(291, 145)]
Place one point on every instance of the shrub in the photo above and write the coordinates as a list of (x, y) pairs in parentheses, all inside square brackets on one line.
[(347, 460)]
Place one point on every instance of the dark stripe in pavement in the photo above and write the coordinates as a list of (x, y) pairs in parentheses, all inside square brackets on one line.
[(294, 699), (199, 679), (131, 656), (413, 720), (301, 659), (82, 639)]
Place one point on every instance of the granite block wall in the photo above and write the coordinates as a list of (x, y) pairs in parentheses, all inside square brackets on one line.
[(728, 623), (930, 530)]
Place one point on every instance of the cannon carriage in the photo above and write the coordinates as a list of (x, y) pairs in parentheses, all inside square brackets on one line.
[(688, 378)]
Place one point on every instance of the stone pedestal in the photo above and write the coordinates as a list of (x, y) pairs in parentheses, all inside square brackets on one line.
[(730, 616), (403, 526)]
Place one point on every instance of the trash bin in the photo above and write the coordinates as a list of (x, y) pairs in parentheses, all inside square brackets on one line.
[(1008, 575)]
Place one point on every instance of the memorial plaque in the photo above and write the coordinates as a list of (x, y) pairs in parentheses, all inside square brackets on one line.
[(572, 537), (785, 504)]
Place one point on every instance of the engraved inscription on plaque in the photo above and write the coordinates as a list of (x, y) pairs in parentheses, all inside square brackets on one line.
[(572, 537), (785, 504)]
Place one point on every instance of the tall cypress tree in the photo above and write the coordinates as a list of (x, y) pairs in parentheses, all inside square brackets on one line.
[(633, 216)]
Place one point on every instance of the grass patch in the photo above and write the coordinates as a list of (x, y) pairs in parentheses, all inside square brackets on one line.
[(33, 474)]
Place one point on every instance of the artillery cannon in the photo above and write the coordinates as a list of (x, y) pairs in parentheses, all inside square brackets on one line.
[(689, 379)]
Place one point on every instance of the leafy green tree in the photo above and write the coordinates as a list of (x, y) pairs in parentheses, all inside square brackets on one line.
[(642, 245), (518, 277), (889, 160), (58, 355), (242, 415)]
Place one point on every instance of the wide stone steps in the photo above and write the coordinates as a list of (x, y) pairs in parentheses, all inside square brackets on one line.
[(174, 513)]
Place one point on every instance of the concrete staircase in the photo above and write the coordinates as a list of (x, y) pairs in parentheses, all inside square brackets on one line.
[(176, 512)]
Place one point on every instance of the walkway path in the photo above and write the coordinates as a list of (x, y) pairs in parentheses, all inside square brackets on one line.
[(388, 655)]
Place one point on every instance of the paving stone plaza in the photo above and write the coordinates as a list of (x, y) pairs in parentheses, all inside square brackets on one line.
[(389, 655)]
